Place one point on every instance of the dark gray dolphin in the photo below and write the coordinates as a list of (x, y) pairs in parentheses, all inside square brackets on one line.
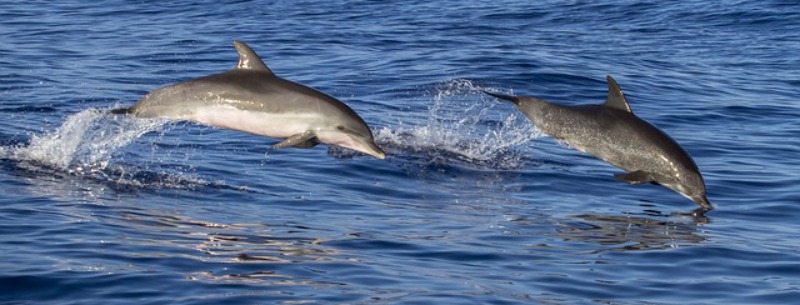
[(252, 99), (611, 132)]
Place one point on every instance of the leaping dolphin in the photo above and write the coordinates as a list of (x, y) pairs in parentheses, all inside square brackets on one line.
[(252, 99), (611, 132)]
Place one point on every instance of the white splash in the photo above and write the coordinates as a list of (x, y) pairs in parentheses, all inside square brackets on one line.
[(84, 146), (466, 125), (85, 142)]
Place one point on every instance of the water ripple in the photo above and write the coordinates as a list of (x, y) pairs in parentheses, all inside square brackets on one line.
[(472, 206)]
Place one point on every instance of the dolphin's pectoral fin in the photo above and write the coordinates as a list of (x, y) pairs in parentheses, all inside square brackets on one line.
[(305, 139), (636, 177), (308, 143)]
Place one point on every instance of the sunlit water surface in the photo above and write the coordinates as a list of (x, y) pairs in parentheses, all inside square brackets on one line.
[(473, 204)]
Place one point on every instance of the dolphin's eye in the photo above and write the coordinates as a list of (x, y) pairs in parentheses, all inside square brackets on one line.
[(340, 127)]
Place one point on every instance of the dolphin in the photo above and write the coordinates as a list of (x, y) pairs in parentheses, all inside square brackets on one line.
[(612, 133), (252, 99)]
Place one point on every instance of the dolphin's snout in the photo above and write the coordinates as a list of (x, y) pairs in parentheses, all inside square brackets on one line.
[(375, 151), (702, 200)]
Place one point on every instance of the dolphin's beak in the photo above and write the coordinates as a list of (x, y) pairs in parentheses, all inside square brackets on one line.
[(372, 149), (364, 145), (703, 202)]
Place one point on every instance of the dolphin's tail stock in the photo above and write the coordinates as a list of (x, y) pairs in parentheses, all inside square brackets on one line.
[(513, 99), (120, 111)]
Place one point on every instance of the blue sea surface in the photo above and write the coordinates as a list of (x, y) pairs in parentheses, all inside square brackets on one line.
[(473, 204)]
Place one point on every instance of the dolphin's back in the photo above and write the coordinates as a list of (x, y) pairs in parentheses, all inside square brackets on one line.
[(613, 135), (244, 90), (251, 98), (249, 101)]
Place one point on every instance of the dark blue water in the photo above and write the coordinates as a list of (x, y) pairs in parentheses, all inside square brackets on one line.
[(473, 204)]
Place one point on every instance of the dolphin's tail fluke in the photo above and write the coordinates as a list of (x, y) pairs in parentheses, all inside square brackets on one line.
[(513, 99), (120, 111)]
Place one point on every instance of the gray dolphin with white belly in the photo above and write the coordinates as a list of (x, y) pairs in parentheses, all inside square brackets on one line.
[(611, 132), (252, 99)]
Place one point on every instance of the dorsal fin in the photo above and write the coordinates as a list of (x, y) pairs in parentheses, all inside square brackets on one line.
[(248, 59), (615, 97)]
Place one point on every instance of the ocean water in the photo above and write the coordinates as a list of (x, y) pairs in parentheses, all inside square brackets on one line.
[(473, 205)]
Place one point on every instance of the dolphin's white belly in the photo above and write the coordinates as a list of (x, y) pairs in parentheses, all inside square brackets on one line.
[(260, 123)]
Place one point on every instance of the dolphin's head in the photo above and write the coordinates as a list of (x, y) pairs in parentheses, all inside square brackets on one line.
[(352, 134), (691, 185)]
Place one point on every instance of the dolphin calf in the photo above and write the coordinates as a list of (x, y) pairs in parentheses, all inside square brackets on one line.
[(252, 99), (611, 132)]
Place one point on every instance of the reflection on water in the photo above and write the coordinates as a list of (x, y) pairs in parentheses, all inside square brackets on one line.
[(630, 233), (42, 180), (261, 247), (285, 243)]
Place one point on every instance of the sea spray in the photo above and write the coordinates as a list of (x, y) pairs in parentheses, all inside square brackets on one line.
[(84, 142), (84, 146), (464, 125)]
